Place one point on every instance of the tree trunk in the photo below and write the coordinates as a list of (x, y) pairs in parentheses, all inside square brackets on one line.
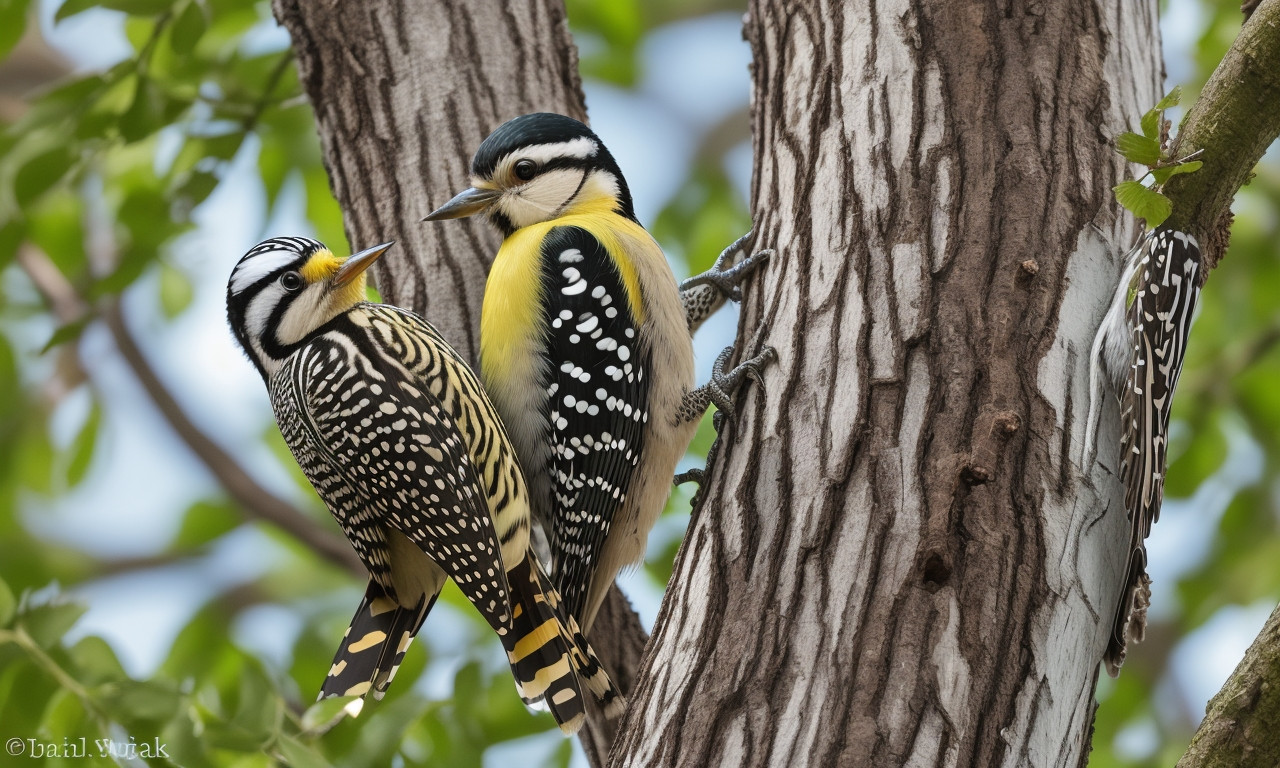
[(403, 93), (899, 560)]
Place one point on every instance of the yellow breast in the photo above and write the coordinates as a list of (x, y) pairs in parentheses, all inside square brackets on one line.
[(511, 320)]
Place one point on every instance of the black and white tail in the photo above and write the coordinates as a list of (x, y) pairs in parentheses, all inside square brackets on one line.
[(550, 659), (373, 646)]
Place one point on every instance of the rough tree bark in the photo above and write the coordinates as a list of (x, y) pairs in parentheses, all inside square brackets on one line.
[(906, 565), (403, 93)]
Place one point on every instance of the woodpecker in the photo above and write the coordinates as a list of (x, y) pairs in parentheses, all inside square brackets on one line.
[(395, 433), (585, 346), (1138, 352)]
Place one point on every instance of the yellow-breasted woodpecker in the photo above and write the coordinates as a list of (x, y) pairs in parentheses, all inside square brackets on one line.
[(1138, 353), (586, 347), (395, 433)]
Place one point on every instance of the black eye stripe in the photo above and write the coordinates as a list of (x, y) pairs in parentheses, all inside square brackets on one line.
[(556, 163)]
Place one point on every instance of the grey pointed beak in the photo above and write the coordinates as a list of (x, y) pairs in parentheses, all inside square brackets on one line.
[(468, 202), (357, 263)]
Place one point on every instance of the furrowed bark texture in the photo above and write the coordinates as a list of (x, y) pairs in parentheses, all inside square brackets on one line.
[(404, 92), (1239, 729), (902, 563)]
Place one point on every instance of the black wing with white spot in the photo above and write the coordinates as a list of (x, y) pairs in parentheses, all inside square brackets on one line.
[(400, 452), (598, 397)]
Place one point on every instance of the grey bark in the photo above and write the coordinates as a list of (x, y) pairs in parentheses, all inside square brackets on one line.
[(900, 561), (403, 93)]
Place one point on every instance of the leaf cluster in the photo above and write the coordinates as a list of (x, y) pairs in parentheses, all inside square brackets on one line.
[(1150, 148)]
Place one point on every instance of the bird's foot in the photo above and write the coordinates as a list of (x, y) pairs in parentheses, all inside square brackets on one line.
[(726, 279), (725, 384)]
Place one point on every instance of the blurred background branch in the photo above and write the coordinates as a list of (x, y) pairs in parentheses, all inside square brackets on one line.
[(1239, 728)]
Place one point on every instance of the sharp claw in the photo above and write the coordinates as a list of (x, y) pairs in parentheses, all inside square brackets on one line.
[(726, 281)]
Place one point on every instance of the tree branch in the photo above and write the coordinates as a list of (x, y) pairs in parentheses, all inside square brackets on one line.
[(1231, 125), (255, 501), (1239, 728)]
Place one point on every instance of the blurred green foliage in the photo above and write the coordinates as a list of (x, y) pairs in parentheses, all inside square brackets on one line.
[(102, 173)]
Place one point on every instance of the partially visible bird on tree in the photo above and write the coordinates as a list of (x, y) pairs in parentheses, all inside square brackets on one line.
[(585, 345), (1139, 352), (396, 434)]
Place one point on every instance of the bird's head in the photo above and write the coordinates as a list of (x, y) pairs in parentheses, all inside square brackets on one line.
[(538, 167), (285, 288)]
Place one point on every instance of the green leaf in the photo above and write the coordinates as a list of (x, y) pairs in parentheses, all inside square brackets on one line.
[(40, 173), (323, 715), (1162, 175), (145, 115), (82, 447), (72, 7), (69, 332), (205, 521), (175, 290), (1138, 149), (13, 22), (134, 7), (96, 661), (47, 623), (189, 27), (1151, 124), (299, 755), (64, 717), (1143, 203), (140, 700), (181, 737), (7, 604), (259, 706), (1171, 99)]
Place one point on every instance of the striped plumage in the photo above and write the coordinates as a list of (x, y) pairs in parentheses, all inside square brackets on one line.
[(585, 346), (1140, 349), (395, 433)]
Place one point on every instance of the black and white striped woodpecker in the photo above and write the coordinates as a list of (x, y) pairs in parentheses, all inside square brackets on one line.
[(395, 433), (1138, 353), (586, 346)]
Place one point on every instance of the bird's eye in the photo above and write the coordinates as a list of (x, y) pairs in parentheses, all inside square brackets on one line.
[(291, 281), (526, 169)]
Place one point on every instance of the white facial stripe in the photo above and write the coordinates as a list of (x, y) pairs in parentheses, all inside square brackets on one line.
[(254, 268), (305, 313), (543, 198), (580, 148), (259, 310)]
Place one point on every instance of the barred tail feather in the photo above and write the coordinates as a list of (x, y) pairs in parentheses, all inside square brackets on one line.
[(540, 660), (373, 646), (1130, 624), (590, 671), (550, 659)]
